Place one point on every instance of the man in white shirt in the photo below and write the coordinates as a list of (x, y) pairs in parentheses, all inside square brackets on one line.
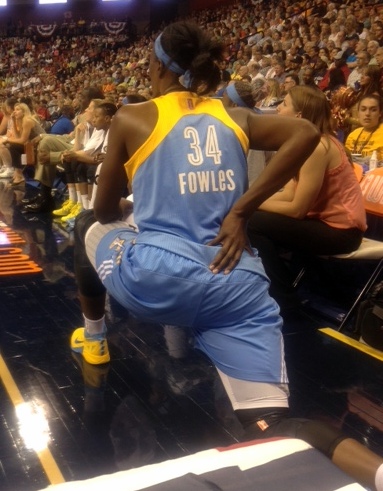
[(362, 60), (254, 71), (372, 47)]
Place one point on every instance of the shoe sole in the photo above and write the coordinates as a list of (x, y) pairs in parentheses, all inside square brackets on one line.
[(58, 213), (97, 359), (67, 217)]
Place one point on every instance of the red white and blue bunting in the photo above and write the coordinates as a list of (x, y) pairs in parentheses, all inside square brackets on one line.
[(114, 27), (46, 30)]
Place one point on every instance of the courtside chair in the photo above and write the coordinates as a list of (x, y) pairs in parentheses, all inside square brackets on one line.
[(358, 169)]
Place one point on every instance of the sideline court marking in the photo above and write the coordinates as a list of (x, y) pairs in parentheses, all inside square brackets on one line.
[(353, 343), (46, 458)]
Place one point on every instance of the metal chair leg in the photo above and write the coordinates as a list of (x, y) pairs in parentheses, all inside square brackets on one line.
[(299, 278), (367, 287)]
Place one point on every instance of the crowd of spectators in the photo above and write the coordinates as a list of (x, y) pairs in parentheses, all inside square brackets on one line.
[(272, 46), (324, 44)]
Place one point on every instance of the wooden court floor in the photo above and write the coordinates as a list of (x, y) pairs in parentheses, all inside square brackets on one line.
[(61, 419)]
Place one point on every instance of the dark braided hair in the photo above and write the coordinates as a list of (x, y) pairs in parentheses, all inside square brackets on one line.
[(193, 49), (245, 92)]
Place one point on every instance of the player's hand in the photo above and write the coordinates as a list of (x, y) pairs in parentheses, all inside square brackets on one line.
[(233, 240)]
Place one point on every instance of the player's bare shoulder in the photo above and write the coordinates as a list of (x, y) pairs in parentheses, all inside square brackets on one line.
[(135, 117), (244, 117)]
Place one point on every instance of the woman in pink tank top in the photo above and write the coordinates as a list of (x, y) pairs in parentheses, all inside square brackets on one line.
[(320, 211)]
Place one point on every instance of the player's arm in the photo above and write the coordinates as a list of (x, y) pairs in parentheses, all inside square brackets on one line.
[(294, 140)]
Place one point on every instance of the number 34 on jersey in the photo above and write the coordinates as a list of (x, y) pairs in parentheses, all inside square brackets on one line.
[(204, 181)]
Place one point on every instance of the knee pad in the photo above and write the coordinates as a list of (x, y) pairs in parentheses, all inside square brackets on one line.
[(91, 173), (81, 172), (273, 422), (88, 281), (69, 174)]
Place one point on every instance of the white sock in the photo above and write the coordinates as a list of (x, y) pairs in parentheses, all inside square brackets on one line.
[(78, 196), (72, 194), (85, 201), (379, 478), (95, 327)]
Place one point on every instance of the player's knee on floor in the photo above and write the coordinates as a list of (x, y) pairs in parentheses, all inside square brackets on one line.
[(274, 422)]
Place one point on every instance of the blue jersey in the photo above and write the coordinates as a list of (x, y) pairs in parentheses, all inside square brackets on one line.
[(186, 177), (187, 189)]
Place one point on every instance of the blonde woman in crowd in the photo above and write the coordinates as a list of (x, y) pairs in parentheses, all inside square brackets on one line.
[(25, 128), (273, 94), (6, 129)]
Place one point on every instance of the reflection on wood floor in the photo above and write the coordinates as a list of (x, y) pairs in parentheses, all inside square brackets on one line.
[(62, 419)]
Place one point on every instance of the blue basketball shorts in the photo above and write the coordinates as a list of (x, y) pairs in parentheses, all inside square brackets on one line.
[(166, 279)]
